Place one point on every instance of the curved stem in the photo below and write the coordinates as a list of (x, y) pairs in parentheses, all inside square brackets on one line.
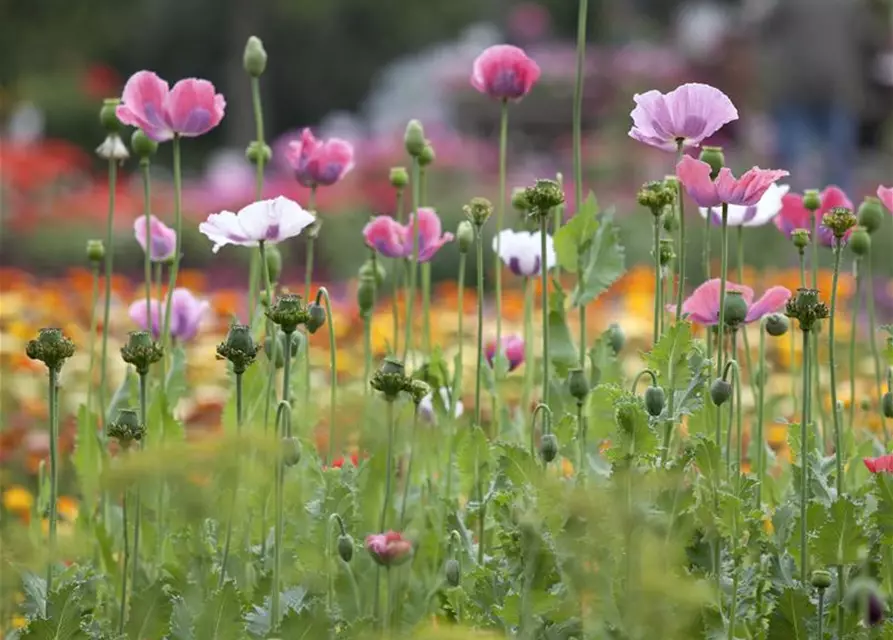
[(283, 428), (53, 410), (178, 227), (414, 264), (109, 257), (383, 519), (333, 363), (643, 372), (500, 214), (657, 282), (761, 401), (838, 442), (547, 424), (804, 462), (872, 335), (854, 322), (479, 253), (545, 303), (408, 479), (229, 525), (147, 257), (680, 263), (256, 261)]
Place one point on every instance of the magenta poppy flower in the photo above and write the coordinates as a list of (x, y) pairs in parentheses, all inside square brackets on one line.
[(163, 242), (388, 549), (270, 221), (394, 240), (319, 163), (702, 306), (881, 464), (688, 114), (504, 72), (512, 349), (885, 195), (190, 109), (745, 191), (795, 216), (187, 312)]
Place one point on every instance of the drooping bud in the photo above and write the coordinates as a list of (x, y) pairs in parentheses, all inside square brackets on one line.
[(288, 312), (464, 236), (143, 146), (577, 384), (317, 317), (51, 347), (390, 379), (291, 451), (656, 196), (399, 177), (616, 337), (887, 404), (238, 348), (294, 342), (720, 391), (366, 295), (273, 260), (807, 308), (345, 547), (839, 220), (256, 152), (452, 572), (372, 268), (108, 118), (655, 399), (543, 197), (860, 241), (735, 308), (426, 157), (254, 59), (477, 211), (126, 428), (776, 324), (812, 200), (715, 158), (519, 200), (800, 238), (414, 138), (95, 251), (548, 447), (871, 214), (141, 351), (821, 579)]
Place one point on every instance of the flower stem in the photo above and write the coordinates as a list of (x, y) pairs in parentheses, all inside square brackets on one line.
[(122, 615), (109, 257), (426, 271), (408, 479), (147, 258), (872, 334), (256, 261), (723, 277), (706, 256), (743, 327), (841, 603), (396, 282), (137, 507), (308, 281), (804, 450), (457, 374), (814, 261), (582, 23), (414, 264), (761, 400), (333, 364), (820, 616), (581, 437), (527, 390), (657, 281), (544, 300), (53, 408), (93, 321), (680, 206), (479, 253), (838, 442), (229, 525), (178, 224), (854, 321), (733, 610), (283, 429), (500, 214), (383, 519)]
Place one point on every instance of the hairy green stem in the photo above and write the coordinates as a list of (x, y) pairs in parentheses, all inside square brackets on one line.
[(544, 300), (408, 479), (838, 442), (383, 519), (283, 429), (854, 322), (333, 364), (872, 335), (527, 389), (820, 616), (500, 214), (804, 462), (147, 258), (178, 227), (761, 402), (657, 282), (255, 263), (680, 207), (232, 510), (414, 264), (109, 258), (582, 23), (53, 409), (479, 253), (743, 327), (308, 281)]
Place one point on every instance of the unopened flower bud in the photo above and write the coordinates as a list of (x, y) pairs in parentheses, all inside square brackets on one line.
[(519, 200), (294, 342), (256, 152), (273, 259), (452, 572), (418, 389), (108, 118), (254, 59), (238, 348), (142, 145), (871, 214), (577, 384), (291, 451), (800, 238), (366, 295), (839, 220), (345, 547), (373, 268), (414, 138), (812, 200), (656, 196), (807, 308), (548, 447), (887, 404), (112, 148), (317, 317), (865, 404), (735, 308), (399, 177), (860, 241), (126, 428), (288, 312), (51, 347), (95, 251), (715, 158), (655, 399), (616, 337), (666, 254), (720, 391), (465, 236), (477, 211), (670, 220), (821, 579), (390, 379), (543, 197), (427, 156), (776, 324), (141, 351)]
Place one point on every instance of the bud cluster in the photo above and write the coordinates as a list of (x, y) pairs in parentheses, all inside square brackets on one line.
[(141, 351), (807, 308), (238, 348), (51, 347), (126, 428), (478, 211), (656, 195), (288, 312), (542, 198), (839, 220)]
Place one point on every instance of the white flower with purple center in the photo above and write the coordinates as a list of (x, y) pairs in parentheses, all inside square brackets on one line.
[(426, 406), (756, 215), (269, 221), (521, 251)]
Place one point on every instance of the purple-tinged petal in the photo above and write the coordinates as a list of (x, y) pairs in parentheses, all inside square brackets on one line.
[(773, 300)]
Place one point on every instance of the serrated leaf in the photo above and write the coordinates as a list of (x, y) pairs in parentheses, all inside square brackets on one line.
[(672, 349), (600, 411), (182, 623), (789, 619), (840, 537), (576, 234), (708, 459), (64, 614), (35, 590), (517, 464), (883, 515), (87, 457), (221, 616), (603, 263), (150, 613)]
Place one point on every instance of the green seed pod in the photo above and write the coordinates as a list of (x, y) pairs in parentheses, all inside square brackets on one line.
[(317, 317), (812, 200), (255, 153), (399, 177), (616, 337), (452, 572), (373, 269), (345, 547), (95, 251), (366, 295), (777, 324), (548, 447), (519, 200), (465, 236), (860, 241), (274, 262), (291, 451), (871, 214), (427, 156), (107, 116), (142, 145), (821, 579), (577, 384), (736, 308), (800, 238), (720, 391), (887, 404), (655, 399), (715, 158)]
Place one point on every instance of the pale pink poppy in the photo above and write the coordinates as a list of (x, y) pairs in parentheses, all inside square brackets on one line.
[(187, 312), (885, 195), (319, 163), (794, 215), (268, 221), (504, 72), (394, 240), (746, 190), (163, 242), (388, 549), (702, 306), (190, 109)]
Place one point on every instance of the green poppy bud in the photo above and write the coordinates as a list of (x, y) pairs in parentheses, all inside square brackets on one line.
[(887, 404), (254, 60), (373, 269), (142, 145), (427, 156), (255, 153), (366, 295), (465, 236), (800, 238), (399, 177), (317, 317), (108, 118), (274, 262), (345, 547), (812, 200), (860, 241), (95, 251), (655, 399), (577, 384), (715, 158), (548, 447), (720, 391), (821, 579), (452, 572), (871, 214), (616, 337), (291, 451), (777, 324), (736, 308), (414, 138)]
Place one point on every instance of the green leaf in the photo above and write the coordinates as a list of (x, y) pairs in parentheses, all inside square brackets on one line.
[(35, 589), (150, 612), (64, 617), (175, 384), (789, 619), (708, 459), (604, 262), (840, 537), (120, 397), (87, 457), (606, 368), (472, 452), (517, 464), (672, 351), (575, 236), (562, 352), (600, 411), (221, 617), (883, 515)]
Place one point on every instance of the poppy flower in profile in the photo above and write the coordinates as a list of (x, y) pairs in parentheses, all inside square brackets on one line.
[(394, 240), (512, 349), (522, 252), (163, 240), (268, 221), (745, 191), (388, 549), (755, 215), (187, 312), (319, 163), (881, 464), (702, 306), (504, 72)]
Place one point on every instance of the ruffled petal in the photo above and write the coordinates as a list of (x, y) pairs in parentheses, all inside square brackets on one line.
[(224, 228), (885, 195), (695, 177), (192, 108), (773, 300), (142, 105), (386, 235)]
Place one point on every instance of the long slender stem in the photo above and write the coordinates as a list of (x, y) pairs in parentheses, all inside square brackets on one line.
[(414, 264), (838, 442), (872, 339), (408, 479), (232, 510), (333, 364), (457, 374), (500, 214), (582, 23), (383, 519), (739, 418), (854, 322), (479, 253), (109, 259), (308, 281), (178, 225), (137, 507), (426, 271), (283, 430), (657, 282), (92, 345), (52, 406), (706, 257), (581, 437), (804, 462), (147, 258), (527, 390), (841, 602), (814, 261), (544, 300), (761, 400), (733, 609), (395, 282), (256, 262), (122, 615), (723, 277), (820, 616), (680, 263)]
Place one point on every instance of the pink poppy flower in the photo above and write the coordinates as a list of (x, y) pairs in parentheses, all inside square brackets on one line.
[(504, 72), (512, 349), (688, 114), (190, 109), (319, 163), (388, 549), (394, 240), (745, 191), (885, 195), (187, 312), (270, 221), (163, 242), (882, 464), (702, 306), (795, 216)]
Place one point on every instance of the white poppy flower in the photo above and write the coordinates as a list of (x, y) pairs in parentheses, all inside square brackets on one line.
[(757, 215), (521, 251), (270, 221), (426, 406)]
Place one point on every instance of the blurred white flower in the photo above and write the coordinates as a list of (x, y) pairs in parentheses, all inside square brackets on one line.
[(426, 406), (521, 251)]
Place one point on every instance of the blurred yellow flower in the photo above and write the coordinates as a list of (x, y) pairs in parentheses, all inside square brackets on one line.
[(17, 499)]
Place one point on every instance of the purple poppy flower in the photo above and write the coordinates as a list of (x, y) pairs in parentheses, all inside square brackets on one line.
[(163, 242), (187, 312)]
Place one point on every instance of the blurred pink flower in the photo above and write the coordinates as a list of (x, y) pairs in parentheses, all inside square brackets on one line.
[(394, 240), (702, 306), (186, 314), (881, 464), (745, 191), (319, 163), (795, 216), (163, 242), (190, 109), (512, 349), (688, 114), (388, 549), (885, 194), (270, 221), (504, 72)]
